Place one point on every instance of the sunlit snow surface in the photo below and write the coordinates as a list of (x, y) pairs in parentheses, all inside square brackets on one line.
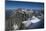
[(33, 20), (15, 26)]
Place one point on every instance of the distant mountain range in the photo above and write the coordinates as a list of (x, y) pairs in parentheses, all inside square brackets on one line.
[(8, 12)]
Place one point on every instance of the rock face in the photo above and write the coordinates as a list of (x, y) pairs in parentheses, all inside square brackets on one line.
[(17, 18)]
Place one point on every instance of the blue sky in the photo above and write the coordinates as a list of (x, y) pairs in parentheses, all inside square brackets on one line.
[(16, 4)]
